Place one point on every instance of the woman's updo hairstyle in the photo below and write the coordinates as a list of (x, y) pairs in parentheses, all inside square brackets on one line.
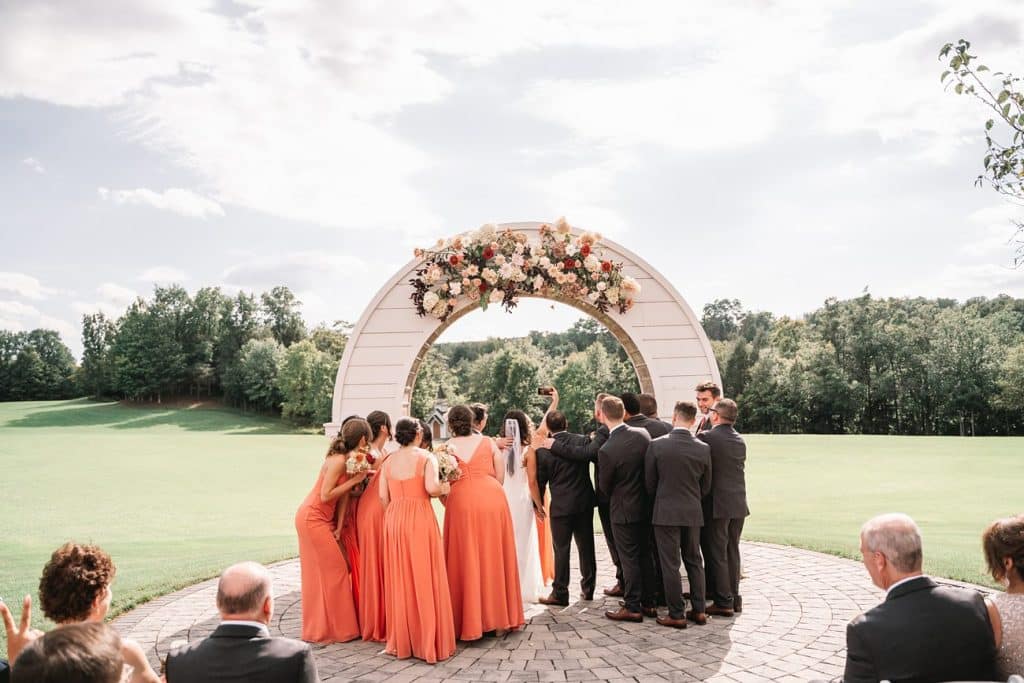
[(405, 430), (349, 436), (1004, 538), (460, 421)]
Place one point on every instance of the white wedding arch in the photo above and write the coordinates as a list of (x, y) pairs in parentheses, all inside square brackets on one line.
[(660, 333)]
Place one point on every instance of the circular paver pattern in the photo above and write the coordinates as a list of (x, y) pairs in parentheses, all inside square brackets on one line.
[(796, 604)]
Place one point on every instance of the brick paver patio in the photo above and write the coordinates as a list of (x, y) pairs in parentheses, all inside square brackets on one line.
[(795, 607)]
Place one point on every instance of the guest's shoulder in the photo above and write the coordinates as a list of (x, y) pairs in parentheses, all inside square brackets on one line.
[(286, 647)]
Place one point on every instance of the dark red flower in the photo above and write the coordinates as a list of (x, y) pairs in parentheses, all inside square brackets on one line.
[(606, 266), (570, 263), (488, 254), (453, 259), (483, 287), (585, 250), (370, 459)]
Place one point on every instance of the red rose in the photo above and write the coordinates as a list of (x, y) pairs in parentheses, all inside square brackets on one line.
[(483, 287), (370, 459), (453, 259), (585, 250), (606, 266), (570, 264), (488, 254)]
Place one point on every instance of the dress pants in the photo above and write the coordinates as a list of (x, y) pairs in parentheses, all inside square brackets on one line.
[(605, 513), (725, 560), (707, 550), (672, 539), (632, 540), (580, 527)]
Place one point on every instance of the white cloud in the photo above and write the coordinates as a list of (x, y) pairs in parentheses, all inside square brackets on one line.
[(113, 300), (24, 285), (33, 164), (176, 200), (163, 274), (116, 294), (992, 230), (296, 270), (981, 279), (20, 317)]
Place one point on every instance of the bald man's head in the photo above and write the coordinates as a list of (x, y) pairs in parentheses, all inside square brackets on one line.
[(244, 592)]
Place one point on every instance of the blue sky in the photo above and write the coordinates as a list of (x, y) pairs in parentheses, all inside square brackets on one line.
[(775, 152)]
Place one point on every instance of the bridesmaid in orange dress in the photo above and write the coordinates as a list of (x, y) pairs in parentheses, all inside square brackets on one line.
[(479, 543), (370, 535), (418, 604), (328, 607)]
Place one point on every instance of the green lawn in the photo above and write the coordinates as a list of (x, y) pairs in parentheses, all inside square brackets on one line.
[(176, 494)]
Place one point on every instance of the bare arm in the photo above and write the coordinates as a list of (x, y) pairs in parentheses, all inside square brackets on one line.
[(335, 466), (996, 621), (142, 672), (499, 466), (531, 476), (382, 491), (431, 480), (543, 428)]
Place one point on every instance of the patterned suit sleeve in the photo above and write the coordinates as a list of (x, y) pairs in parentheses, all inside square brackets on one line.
[(859, 667)]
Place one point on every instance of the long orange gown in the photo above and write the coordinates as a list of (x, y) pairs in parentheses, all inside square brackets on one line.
[(328, 607), (480, 550), (418, 604), (545, 544), (369, 535)]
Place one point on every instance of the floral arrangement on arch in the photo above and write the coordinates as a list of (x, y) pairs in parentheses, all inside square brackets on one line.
[(490, 266)]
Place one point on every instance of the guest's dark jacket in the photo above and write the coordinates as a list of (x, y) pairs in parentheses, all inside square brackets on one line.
[(585, 453), (678, 474), (572, 491), (238, 652), (922, 632), (728, 498), (654, 427), (621, 460)]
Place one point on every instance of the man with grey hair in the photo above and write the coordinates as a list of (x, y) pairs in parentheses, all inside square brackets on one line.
[(241, 648), (922, 631)]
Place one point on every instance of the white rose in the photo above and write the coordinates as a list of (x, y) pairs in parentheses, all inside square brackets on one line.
[(496, 296), (506, 271), (489, 275), (601, 286), (538, 282), (430, 300), (592, 263), (455, 288), (594, 296), (630, 286), (499, 259), (440, 309)]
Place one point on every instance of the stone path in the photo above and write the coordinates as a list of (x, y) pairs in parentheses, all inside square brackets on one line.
[(796, 604)]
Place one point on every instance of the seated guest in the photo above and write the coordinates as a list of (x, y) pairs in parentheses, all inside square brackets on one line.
[(75, 588), (76, 653), (17, 636), (922, 631), (1003, 542), (241, 648)]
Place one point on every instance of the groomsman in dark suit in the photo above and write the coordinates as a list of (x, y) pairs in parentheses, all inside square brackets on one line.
[(678, 475), (621, 461), (571, 513), (588, 453), (635, 418), (649, 408), (725, 508), (707, 394)]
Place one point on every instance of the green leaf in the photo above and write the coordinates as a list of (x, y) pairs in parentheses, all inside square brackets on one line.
[(944, 76), (1002, 96), (989, 124), (1006, 110), (959, 88), (981, 67)]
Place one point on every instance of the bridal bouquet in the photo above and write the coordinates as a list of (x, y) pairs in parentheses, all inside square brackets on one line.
[(488, 266), (359, 461), (447, 463)]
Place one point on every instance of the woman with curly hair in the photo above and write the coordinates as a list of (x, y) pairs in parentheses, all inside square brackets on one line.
[(1003, 542), (75, 589)]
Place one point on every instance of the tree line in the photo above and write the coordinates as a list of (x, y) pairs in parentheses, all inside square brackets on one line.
[(855, 366)]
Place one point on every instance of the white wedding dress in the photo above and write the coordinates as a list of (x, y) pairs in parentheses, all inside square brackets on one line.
[(517, 492)]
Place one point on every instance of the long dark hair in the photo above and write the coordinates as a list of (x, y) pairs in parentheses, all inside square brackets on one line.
[(525, 426)]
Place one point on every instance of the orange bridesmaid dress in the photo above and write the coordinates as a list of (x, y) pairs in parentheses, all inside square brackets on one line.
[(418, 604), (480, 550), (545, 544), (370, 535), (328, 606)]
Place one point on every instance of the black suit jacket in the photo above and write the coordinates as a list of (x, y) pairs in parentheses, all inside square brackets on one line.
[(678, 475), (728, 498), (654, 427), (237, 652), (585, 453), (922, 632), (621, 460), (572, 492)]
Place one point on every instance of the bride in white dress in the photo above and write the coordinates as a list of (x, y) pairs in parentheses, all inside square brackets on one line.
[(517, 430)]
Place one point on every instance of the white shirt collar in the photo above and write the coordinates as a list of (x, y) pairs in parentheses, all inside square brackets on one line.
[(256, 624), (903, 581)]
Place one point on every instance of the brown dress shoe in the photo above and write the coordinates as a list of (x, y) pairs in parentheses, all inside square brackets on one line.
[(552, 600), (624, 615), (699, 618), (614, 592), (674, 623), (716, 611)]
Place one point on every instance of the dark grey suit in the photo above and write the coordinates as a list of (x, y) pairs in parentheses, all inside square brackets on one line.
[(922, 632), (725, 510), (238, 652), (678, 475), (588, 453), (621, 460), (572, 514)]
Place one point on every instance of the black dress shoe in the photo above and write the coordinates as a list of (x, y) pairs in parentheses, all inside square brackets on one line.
[(554, 600), (614, 592), (624, 615), (716, 611), (650, 612), (674, 623), (588, 597), (737, 604)]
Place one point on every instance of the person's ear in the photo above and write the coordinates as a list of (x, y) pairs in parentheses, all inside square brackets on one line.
[(268, 606)]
